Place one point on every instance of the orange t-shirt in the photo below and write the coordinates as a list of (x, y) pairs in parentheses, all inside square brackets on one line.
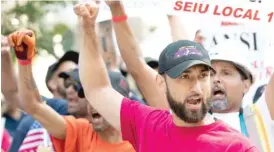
[(80, 137)]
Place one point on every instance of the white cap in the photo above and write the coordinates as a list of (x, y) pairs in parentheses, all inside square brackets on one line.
[(234, 52)]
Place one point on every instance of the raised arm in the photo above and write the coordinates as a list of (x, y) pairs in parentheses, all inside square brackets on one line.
[(9, 85), (144, 76), (92, 69), (177, 29), (270, 96), (107, 42), (23, 43)]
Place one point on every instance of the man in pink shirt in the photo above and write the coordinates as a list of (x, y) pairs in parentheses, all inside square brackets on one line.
[(184, 73)]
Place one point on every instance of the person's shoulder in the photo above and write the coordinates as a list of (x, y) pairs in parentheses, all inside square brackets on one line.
[(59, 105), (77, 122), (224, 128), (131, 104), (56, 101), (232, 135), (151, 114)]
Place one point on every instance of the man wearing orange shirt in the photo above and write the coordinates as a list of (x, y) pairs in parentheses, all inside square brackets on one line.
[(99, 136), (68, 134)]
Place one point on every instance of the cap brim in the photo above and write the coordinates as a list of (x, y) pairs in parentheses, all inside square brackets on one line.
[(177, 70), (243, 68)]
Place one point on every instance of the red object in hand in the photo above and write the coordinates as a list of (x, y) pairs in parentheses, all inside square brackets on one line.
[(23, 43)]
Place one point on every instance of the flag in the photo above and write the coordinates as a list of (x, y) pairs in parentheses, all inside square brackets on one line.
[(37, 136)]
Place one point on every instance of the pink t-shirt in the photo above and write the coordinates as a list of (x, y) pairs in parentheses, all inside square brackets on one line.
[(151, 130)]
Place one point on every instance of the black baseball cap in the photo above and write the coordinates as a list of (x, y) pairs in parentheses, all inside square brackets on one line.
[(181, 55), (153, 63), (118, 82), (68, 56)]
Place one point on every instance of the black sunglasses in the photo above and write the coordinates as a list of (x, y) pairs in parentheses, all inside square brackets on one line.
[(70, 82)]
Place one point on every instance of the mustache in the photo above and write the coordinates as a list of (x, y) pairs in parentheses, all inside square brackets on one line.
[(195, 96), (217, 88)]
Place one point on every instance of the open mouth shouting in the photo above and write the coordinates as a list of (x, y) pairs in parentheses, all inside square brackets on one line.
[(96, 118), (194, 103), (218, 93)]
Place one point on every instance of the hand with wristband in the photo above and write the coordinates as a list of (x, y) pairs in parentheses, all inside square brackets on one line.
[(117, 11), (23, 42)]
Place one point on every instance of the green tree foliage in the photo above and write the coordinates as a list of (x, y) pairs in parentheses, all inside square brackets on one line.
[(35, 12)]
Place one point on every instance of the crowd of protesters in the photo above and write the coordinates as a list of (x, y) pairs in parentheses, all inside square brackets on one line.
[(186, 97)]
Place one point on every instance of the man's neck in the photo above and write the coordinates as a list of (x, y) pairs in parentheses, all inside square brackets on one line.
[(208, 119), (15, 114), (111, 135)]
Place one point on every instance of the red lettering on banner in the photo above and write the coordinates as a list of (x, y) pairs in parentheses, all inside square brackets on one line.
[(216, 10), (178, 5), (270, 16), (224, 23), (205, 9), (235, 14), (227, 11), (195, 7), (258, 64), (191, 7), (250, 16), (219, 11), (255, 64), (269, 71), (187, 6), (256, 16)]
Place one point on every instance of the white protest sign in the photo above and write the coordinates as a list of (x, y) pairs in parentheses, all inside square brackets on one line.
[(256, 38), (237, 11)]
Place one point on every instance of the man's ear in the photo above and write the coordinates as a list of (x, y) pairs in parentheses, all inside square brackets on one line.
[(247, 84), (161, 82)]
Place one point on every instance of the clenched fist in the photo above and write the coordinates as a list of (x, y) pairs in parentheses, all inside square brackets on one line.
[(87, 13), (23, 42)]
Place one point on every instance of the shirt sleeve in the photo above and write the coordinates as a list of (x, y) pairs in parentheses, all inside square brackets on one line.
[(136, 119), (77, 132)]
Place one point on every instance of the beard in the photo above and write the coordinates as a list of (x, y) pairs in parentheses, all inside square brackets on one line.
[(189, 116), (62, 92), (100, 128), (219, 105)]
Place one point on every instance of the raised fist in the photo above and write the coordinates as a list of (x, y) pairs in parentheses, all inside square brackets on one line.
[(23, 42), (87, 13)]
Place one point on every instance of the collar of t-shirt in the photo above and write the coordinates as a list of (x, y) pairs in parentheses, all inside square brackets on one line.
[(231, 119)]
